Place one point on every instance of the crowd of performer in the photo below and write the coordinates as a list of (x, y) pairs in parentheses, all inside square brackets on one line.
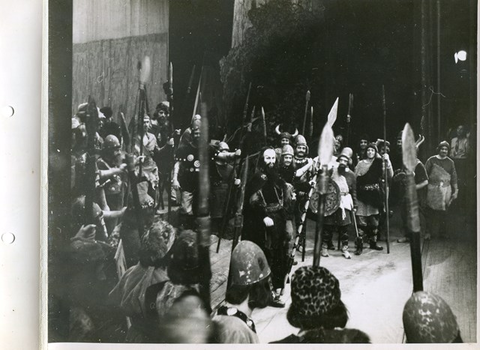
[(132, 276)]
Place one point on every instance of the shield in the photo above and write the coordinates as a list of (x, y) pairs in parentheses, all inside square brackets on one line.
[(332, 199)]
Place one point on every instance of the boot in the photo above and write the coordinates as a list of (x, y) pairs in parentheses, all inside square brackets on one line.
[(359, 244), (277, 300), (373, 241), (324, 251), (331, 246), (373, 245), (345, 252)]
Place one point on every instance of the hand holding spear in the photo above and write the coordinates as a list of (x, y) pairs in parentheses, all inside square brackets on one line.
[(409, 156)]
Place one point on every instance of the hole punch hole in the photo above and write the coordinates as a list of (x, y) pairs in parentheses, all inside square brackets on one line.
[(7, 111), (8, 238)]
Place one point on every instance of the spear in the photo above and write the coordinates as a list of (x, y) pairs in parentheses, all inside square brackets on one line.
[(91, 121), (325, 152), (203, 218), (197, 96), (409, 157), (240, 200), (307, 100), (385, 176), (349, 117), (145, 69), (264, 124), (311, 123), (234, 172), (190, 81), (332, 116), (171, 160)]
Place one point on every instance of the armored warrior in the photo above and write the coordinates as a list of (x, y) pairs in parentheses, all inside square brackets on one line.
[(442, 189), (369, 173), (267, 219), (285, 138), (186, 171), (303, 165), (301, 181), (112, 172), (341, 218), (287, 169), (220, 172)]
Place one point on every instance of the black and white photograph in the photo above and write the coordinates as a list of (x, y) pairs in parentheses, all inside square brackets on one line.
[(260, 171)]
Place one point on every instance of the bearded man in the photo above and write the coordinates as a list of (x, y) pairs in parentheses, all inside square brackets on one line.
[(267, 219), (341, 218), (287, 169), (301, 181)]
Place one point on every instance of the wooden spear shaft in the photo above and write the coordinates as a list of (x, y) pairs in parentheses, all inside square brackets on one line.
[(414, 228), (322, 186), (385, 173), (307, 100), (203, 218)]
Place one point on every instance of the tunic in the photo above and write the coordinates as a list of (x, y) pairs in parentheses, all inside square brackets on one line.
[(442, 176), (369, 194)]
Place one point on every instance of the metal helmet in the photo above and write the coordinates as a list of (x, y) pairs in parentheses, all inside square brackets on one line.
[(347, 152), (300, 140), (196, 123), (111, 142), (222, 146), (427, 318), (287, 149), (248, 265)]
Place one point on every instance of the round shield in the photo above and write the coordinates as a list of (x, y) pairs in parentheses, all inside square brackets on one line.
[(332, 199)]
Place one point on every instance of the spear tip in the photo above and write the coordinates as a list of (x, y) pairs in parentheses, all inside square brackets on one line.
[(409, 150), (325, 145)]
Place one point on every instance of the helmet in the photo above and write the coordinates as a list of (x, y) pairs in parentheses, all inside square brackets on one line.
[(300, 140), (347, 152), (248, 265), (196, 124), (163, 106), (111, 142), (222, 146), (78, 213), (287, 149), (427, 318)]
